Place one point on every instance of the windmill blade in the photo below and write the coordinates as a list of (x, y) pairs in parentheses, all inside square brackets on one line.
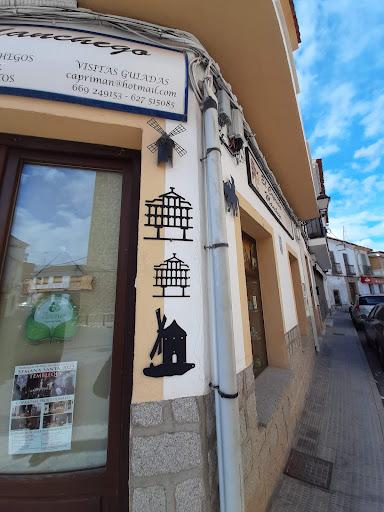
[(159, 339), (157, 345), (179, 129), (180, 151), (154, 146), (155, 125)]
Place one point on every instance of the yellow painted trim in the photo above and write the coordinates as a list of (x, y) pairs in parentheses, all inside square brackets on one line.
[(297, 290), (49, 119), (243, 293)]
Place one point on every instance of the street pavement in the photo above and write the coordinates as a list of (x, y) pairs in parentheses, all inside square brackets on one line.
[(342, 422)]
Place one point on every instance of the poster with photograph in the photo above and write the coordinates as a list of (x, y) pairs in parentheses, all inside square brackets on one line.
[(42, 408)]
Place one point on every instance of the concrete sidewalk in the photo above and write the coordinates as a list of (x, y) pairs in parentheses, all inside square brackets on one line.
[(342, 422)]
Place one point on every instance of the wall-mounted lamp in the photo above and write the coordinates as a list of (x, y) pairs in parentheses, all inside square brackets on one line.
[(322, 203)]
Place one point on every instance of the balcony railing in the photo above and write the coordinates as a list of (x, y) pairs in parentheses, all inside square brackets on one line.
[(336, 268), (350, 269), (315, 229), (367, 270)]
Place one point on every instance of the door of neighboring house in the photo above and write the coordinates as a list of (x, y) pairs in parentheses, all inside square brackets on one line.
[(255, 305), (352, 291), (336, 296), (324, 309), (66, 346)]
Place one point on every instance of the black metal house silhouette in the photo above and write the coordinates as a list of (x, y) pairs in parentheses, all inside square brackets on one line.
[(169, 210), (173, 273), (171, 342)]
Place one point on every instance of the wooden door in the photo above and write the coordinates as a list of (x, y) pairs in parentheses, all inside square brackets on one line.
[(68, 243), (255, 306)]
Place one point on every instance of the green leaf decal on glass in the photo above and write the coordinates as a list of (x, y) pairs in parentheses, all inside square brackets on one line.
[(36, 331), (66, 329), (53, 317)]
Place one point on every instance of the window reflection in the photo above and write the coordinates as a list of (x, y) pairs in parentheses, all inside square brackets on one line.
[(63, 247)]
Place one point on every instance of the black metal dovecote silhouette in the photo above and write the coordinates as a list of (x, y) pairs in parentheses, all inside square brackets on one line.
[(169, 210), (172, 343), (231, 197), (173, 273)]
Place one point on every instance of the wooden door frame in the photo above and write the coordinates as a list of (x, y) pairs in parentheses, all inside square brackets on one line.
[(113, 478)]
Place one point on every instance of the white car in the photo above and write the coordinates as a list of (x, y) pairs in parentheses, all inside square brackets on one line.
[(362, 306)]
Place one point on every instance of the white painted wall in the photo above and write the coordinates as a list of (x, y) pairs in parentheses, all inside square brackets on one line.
[(190, 313), (188, 177)]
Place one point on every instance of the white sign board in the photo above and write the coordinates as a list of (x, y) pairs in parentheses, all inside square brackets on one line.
[(85, 67), (260, 184), (42, 408)]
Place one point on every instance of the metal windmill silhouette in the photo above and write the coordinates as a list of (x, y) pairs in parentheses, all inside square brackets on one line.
[(165, 144), (171, 342)]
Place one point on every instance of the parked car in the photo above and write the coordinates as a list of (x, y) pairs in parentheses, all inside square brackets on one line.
[(374, 330), (362, 307)]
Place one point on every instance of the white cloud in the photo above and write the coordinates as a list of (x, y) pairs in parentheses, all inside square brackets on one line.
[(326, 150), (372, 166), (340, 109), (365, 242), (373, 122), (46, 239), (332, 181), (340, 71), (372, 151)]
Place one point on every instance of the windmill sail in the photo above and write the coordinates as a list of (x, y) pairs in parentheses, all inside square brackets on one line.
[(158, 346)]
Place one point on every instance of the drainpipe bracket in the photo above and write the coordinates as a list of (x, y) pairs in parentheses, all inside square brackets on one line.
[(215, 246), (221, 393), (209, 150)]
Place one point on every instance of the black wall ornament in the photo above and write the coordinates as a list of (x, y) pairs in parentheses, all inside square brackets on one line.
[(169, 211), (171, 342), (173, 274), (164, 145), (231, 197)]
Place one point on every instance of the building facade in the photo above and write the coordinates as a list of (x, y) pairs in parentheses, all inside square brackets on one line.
[(352, 273), (170, 300)]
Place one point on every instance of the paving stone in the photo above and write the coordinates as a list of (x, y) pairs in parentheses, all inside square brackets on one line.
[(165, 453), (149, 499), (185, 410), (147, 414), (243, 426), (240, 383), (249, 379), (252, 412), (190, 496), (247, 459), (340, 423)]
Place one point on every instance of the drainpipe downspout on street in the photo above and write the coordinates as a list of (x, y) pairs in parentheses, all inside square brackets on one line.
[(226, 395)]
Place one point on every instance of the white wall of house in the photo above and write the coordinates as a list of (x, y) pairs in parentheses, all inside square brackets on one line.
[(188, 177)]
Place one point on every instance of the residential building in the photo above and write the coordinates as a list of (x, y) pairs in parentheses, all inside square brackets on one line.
[(315, 233), (351, 273), (187, 352)]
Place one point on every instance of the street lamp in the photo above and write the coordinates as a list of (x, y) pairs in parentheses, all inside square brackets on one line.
[(322, 203)]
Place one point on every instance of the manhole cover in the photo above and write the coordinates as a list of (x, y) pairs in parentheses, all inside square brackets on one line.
[(309, 469)]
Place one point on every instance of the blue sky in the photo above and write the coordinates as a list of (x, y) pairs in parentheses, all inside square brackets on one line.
[(53, 213), (340, 65)]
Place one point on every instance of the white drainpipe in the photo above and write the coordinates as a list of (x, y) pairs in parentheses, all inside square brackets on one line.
[(226, 396)]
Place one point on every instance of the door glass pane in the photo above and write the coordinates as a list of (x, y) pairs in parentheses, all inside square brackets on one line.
[(57, 303)]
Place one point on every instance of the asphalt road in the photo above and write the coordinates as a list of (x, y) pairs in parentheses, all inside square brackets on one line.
[(374, 363)]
